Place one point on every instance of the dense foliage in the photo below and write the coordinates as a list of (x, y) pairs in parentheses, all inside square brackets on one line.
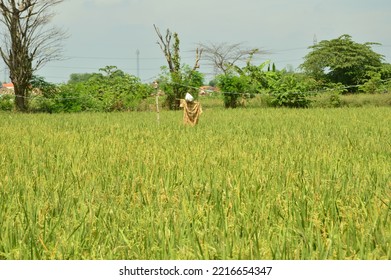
[(177, 79), (284, 88), (342, 61), (175, 85), (233, 88), (109, 90), (337, 66)]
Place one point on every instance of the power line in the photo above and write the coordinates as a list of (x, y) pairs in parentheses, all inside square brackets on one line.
[(112, 58), (119, 58), (91, 68), (289, 50)]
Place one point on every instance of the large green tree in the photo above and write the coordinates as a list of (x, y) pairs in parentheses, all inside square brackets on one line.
[(341, 60)]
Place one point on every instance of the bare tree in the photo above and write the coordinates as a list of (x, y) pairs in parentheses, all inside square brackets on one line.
[(28, 41), (223, 55)]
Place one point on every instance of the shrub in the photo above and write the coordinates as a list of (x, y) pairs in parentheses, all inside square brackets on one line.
[(291, 91), (7, 102), (374, 84), (175, 85), (233, 89), (112, 91), (290, 99)]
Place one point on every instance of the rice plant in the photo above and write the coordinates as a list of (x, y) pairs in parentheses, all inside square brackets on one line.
[(242, 184)]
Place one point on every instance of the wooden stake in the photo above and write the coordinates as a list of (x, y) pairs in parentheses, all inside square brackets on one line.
[(156, 86)]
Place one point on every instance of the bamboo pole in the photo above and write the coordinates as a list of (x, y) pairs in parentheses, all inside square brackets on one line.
[(156, 86)]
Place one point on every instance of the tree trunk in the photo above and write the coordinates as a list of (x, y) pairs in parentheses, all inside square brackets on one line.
[(27, 39), (20, 99)]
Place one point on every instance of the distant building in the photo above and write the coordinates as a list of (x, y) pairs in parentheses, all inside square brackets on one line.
[(208, 90), (8, 86)]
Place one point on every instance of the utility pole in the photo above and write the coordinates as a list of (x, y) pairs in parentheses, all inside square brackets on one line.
[(138, 62), (315, 40), (6, 74)]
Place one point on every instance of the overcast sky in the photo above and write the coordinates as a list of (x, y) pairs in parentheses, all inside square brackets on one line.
[(109, 32)]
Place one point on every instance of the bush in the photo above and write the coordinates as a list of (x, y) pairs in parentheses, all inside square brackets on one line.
[(7, 102), (331, 99), (233, 89), (291, 91), (175, 85), (290, 99), (112, 91), (374, 84)]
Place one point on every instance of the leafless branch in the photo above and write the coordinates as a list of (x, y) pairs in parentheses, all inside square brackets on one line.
[(28, 42), (199, 52), (223, 55), (165, 45)]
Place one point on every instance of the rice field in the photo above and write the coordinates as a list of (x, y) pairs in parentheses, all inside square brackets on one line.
[(243, 184)]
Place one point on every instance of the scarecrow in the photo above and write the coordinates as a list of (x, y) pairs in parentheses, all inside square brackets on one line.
[(191, 110)]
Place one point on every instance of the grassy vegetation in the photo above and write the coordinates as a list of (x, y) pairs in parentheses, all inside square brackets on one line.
[(329, 100), (243, 184), (322, 100)]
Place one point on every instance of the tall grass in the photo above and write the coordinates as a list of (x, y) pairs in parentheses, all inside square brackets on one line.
[(243, 184)]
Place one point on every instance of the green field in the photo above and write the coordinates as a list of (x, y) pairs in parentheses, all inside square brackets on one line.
[(243, 184)]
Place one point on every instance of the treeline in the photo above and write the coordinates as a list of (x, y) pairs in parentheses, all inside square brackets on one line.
[(331, 68), (106, 91), (338, 66)]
